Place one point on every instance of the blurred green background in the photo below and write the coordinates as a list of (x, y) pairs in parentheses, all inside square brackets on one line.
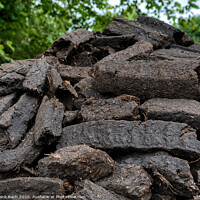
[(29, 27)]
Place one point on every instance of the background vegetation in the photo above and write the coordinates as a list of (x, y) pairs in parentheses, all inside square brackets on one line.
[(28, 27)]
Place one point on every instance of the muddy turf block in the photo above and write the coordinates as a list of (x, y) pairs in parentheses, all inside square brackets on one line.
[(76, 163), (112, 135)]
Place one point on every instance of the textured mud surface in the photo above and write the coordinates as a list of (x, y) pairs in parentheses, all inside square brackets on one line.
[(177, 110), (112, 115), (76, 163), (122, 107), (31, 187), (149, 77), (129, 180), (87, 190), (175, 171), (112, 135)]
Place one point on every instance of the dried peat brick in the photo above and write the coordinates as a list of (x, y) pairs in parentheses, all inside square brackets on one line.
[(25, 153), (11, 79), (48, 122), (67, 94), (196, 174), (129, 180), (129, 136), (116, 42), (174, 53), (15, 121), (36, 78), (174, 172), (175, 34), (148, 78), (17, 66), (74, 38), (4, 140), (76, 163), (122, 107), (83, 59), (85, 90), (68, 87), (195, 170), (78, 103), (6, 102), (71, 117), (73, 74), (195, 47), (64, 45), (122, 26), (85, 54), (32, 187), (83, 84), (177, 110), (91, 191), (12, 75), (139, 48), (55, 80)]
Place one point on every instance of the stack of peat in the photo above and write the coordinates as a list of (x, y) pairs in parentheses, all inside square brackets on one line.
[(110, 116)]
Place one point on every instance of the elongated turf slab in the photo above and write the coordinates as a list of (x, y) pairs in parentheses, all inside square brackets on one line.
[(111, 135), (175, 170), (177, 110)]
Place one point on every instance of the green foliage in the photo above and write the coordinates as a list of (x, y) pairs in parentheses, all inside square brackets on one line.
[(3, 55), (190, 26), (168, 8), (28, 27), (33, 25)]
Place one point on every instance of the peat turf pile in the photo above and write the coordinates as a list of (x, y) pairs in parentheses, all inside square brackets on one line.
[(111, 115)]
